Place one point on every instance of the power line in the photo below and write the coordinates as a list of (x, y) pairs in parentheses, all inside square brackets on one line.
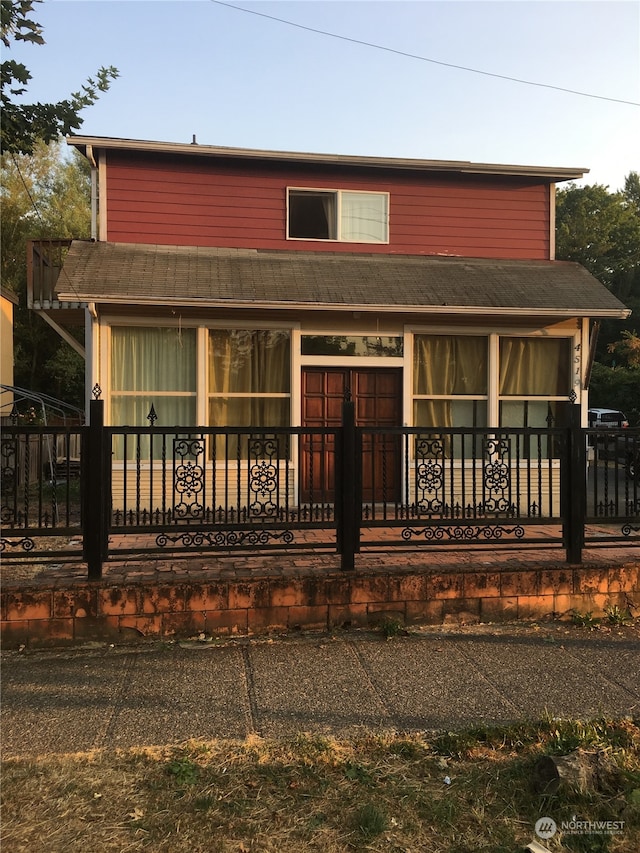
[(425, 58)]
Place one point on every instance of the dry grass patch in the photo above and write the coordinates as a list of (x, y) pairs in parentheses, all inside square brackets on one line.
[(456, 792)]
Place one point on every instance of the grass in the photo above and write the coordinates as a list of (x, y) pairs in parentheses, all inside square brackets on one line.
[(399, 793)]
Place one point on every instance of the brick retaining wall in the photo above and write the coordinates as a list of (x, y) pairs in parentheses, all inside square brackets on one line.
[(38, 616)]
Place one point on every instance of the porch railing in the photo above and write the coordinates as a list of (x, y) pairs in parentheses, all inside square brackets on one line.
[(109, 491)]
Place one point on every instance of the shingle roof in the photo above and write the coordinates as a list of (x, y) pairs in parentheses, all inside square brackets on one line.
[(144, 274)]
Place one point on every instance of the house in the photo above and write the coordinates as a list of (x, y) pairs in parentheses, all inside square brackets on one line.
[(233, 287)]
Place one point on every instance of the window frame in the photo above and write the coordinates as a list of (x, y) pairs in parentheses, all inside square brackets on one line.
[(493, 396), (338, 194), (202, 329)]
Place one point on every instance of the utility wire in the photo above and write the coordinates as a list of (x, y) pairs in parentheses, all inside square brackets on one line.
[(424, 58)]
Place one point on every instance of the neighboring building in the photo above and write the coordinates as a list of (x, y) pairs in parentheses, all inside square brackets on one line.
[(9, 301), (237, 287)]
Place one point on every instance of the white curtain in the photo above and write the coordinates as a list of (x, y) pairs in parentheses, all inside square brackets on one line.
[(363, 217)]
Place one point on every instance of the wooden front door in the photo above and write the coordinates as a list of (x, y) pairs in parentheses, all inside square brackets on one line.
[(377, 396)]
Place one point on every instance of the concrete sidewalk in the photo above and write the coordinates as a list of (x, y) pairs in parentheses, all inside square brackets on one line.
[(430, 679)]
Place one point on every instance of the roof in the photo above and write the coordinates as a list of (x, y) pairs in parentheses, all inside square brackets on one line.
[(89, 144), (137, 274), (10, 295)]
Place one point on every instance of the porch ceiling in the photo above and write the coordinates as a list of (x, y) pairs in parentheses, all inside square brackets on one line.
[(184, 275)]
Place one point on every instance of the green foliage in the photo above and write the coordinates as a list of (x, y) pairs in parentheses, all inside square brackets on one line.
[(601, 230), (628, 348), (45, 194), (390, 628), (23, 125), (371, 820), (616, 388), (183, 770), (617, 615), (584, 620)]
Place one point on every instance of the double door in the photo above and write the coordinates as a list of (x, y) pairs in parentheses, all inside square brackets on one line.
[(377, 396)]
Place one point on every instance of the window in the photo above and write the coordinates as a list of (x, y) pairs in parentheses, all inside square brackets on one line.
[(249, 377), (452, 375), (249, 383), (450, 380), (535, 380), (384, 346), (341, 215), (153, 365)]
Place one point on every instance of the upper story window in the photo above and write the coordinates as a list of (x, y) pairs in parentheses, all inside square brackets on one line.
[(341, 215)]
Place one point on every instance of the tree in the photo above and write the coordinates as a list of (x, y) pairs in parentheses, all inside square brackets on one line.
[(601, 231), (628, 347), (42, 195), (24, 124)]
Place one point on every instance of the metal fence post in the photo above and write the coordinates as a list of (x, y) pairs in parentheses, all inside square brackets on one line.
[(348, 535), (95, 492), (573, 496)]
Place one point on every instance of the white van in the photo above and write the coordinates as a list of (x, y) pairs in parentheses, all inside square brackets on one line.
[(607, 419)]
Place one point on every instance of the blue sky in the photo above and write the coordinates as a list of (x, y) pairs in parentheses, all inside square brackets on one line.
[(238, 78)]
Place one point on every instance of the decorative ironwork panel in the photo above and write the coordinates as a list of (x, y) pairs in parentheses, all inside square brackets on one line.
[(263, 477), (226, 538), (497, 475), (463, 533), (26, 543), (8, 474), (188, 478), (429, 473)]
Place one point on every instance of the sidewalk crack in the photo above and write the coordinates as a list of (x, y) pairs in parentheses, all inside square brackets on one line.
[(105, 735), (250, 689)]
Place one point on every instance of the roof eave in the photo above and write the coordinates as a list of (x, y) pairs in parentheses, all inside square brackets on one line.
[(550, 173), (476, 310)]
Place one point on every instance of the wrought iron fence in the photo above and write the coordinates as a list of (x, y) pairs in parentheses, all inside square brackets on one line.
[(41, 489), (222, 487), (154, 491), (472, 485), (613, 485)]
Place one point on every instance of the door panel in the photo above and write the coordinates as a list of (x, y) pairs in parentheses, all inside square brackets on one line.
[(377, 397)]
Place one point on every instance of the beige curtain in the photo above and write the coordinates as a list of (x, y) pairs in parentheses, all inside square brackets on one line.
[(250, 363), (452, 365), (448, 364), (535, 367)]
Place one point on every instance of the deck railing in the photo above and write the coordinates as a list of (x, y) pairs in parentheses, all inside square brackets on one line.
[(45, 259)]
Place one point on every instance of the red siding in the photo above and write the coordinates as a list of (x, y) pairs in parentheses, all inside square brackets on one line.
[(203, 202)]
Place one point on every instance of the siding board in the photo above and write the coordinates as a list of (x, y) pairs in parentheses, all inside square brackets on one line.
[(202, 202)]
